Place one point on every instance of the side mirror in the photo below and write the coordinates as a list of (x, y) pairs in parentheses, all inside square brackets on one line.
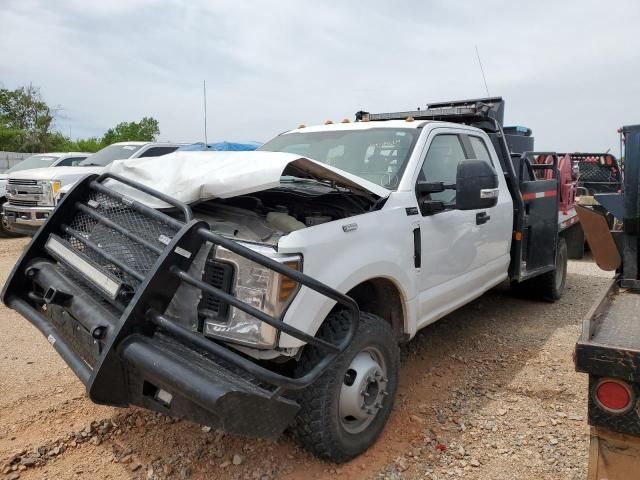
[(476, 185)]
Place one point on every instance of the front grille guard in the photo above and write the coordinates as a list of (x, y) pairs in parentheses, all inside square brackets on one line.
[(140, 313)]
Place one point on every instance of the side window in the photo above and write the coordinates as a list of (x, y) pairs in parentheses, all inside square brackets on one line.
[(480, 149), (157, 151), (441, 164), (65, 163), (71, 161)]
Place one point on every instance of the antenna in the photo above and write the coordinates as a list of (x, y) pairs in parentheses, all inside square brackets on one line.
[(482, 71), (204, 99)]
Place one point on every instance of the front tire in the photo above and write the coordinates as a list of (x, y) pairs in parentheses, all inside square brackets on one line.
[(345, 410)]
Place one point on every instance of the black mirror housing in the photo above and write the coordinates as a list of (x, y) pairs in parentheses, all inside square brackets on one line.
[(426, 188), (476, 185), (431, 207)]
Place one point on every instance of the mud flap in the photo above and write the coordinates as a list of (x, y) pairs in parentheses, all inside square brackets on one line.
[(601, 242), (613, 456)]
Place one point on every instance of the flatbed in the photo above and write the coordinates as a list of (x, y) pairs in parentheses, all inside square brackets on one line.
[(608, 349)]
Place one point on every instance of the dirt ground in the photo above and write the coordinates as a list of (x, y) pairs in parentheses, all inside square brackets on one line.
[(487, 393)]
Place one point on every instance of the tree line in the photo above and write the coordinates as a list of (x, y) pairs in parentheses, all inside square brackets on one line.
[(27, 124)]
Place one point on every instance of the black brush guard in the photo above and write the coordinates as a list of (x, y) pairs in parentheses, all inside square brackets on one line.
[(122, 345)]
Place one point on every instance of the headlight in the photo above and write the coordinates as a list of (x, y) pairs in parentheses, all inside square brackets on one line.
[(261, 288), (50, 189)]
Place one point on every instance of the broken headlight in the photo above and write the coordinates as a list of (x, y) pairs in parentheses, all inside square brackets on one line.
[(260, 287)]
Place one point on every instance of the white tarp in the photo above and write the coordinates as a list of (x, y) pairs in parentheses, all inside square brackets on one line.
[(193, 176)]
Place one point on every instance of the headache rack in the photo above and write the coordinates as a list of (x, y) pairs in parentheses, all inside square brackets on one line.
[(97, 280), (597, 172), (492, 107)]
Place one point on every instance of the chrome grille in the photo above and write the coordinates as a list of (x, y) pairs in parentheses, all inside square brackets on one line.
[(23, 203), (19, 181)]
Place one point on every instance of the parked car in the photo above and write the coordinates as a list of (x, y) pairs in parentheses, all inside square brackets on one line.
[(40, 160), (259, 291), (33, 194)]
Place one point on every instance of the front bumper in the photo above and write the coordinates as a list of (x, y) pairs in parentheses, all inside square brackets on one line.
[(103, 298), (26, 220)]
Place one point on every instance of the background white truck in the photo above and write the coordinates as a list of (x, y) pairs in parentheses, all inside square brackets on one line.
[(259, 291), (33, 194), (40, 160)]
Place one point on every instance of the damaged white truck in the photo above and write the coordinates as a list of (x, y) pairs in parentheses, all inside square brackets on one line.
[(260, 291)]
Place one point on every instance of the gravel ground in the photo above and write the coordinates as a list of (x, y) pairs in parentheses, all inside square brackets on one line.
[(487, 393)]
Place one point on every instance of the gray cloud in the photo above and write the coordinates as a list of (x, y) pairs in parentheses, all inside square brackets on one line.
[(568, 70)]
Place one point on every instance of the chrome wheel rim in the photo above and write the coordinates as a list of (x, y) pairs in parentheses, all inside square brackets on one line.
[(364, 390)]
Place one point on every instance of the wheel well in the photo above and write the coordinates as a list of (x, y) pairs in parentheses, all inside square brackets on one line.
[(381, 297)]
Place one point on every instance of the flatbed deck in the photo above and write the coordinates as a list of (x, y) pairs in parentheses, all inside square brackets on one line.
[(611, 336), (620, 325)]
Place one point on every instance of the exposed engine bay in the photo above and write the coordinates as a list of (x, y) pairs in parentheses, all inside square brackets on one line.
[(266, 216)]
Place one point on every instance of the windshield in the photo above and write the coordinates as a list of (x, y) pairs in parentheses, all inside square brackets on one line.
[(376, 154), (35, 161), (108, 154)]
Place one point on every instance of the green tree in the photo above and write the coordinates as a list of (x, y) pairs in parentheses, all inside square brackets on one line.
[(91, 144), (27, 125), (26, 120), (145, 130)]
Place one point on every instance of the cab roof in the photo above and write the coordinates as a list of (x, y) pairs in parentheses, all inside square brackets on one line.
[(365, 125)]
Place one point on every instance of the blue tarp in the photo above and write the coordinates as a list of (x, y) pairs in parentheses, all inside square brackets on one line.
[(220, 147)]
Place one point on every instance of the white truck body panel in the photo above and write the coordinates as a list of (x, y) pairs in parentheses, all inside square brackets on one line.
[(460, 260)]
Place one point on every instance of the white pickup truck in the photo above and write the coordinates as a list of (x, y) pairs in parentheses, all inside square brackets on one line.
[(39, 160), (259, 291), (32, 194)]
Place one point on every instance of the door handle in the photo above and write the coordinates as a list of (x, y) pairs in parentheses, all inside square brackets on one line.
[(482, 218)]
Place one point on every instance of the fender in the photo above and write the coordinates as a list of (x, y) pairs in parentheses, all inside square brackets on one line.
[(379, 244)]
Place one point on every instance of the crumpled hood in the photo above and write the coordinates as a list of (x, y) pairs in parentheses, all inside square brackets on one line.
[(66, 175), (194, 176)]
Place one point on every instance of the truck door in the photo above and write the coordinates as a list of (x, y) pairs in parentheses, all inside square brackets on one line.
[(464, 253)]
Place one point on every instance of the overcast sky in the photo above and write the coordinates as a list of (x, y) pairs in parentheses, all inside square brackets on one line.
[(568, 70)]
